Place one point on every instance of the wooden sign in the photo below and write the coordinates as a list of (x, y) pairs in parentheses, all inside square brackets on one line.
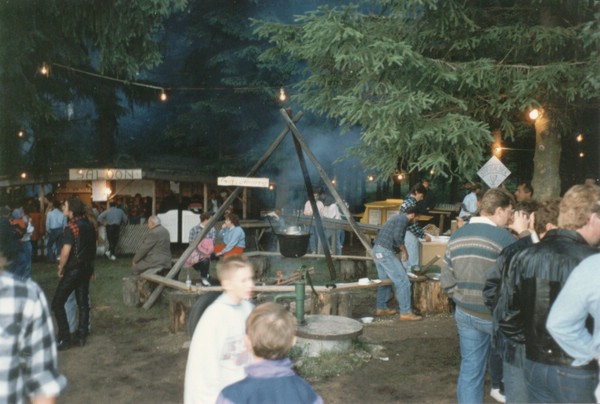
[(243, 182), (94, 174)]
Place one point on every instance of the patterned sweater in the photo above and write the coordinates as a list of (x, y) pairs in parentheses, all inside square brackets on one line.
[(471, 250)]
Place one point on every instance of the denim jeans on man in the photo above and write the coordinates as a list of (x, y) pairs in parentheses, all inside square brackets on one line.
[(388, 266), (559, 384), (475, 341), (411, 242), (54, 244)]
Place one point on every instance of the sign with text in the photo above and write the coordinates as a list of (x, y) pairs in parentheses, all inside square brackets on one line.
[(243, 182), (493, 173), (94, 174)]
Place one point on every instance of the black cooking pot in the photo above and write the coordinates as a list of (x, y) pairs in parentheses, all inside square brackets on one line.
[(293, 245)]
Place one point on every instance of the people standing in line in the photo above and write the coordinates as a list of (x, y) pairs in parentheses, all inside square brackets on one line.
[(471, 250), (113, 218), (390, 241), (203, 266), (542, 270), (28, 350), (270, 334), (155, 249), (470, 203), (55, 225), (233, 237), (415, 231), (218, 354), (508, 334), (75, 268), (332, 211), (308, 211), (569, 319), (524, 192)]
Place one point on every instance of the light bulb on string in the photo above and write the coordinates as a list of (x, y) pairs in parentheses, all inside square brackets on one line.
[(282, 95), (20, 133), (534, 114), (579, 138), (163, 96), (44, 70), (23, 175)]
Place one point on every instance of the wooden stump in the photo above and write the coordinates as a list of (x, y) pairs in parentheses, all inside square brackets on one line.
[(136, 291), (180, 304), (429, 297), (333, 303)]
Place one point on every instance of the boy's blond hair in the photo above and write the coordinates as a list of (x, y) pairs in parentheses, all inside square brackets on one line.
[(229, 265), (271, 330), (577, 205)]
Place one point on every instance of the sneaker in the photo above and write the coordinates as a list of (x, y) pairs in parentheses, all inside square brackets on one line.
[(205, 282), (112, 258), (497, 395), (107, 253), (411, 275), (385, 312), (410, 317)]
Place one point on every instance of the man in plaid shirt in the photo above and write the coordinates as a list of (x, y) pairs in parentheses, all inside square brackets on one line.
[(28, 361), (415, 231)]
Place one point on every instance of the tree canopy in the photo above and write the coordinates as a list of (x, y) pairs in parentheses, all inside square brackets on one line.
[(428, 82)]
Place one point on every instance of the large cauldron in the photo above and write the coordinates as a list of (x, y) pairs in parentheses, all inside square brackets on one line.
[(293, 241)]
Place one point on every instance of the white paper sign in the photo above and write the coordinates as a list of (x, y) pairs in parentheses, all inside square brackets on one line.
[(243, 182), (493, 173)]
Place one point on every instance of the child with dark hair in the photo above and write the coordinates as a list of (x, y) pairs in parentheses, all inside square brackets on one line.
[(270, 334)]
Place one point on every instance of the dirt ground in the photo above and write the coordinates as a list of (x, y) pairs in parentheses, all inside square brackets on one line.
[(132, 357)]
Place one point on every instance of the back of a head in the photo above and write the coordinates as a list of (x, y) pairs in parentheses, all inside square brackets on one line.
[(546, 213), (230, 265), (233, 218), (418, 189), (577, 205), (271, 329), (529, 206), (205, 216), (76, 206), (495, 198)]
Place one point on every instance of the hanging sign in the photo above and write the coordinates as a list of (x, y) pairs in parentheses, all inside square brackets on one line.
[(243, 182), (493, 173), (92, 174)]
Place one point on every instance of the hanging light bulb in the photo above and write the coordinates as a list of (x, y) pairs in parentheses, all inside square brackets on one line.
[(579, 138), (44, 70), (163, 96), (21, 133), (581, 154), (534, 114), (282, 95), (23, 175)]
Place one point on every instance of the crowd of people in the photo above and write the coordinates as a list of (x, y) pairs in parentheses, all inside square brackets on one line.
[(520, 273)]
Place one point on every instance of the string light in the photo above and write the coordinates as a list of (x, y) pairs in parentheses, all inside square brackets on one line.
[(371, 178), (23, 175), (20, 133), (282, 95), (581, 154), (163, 96), (44, 70), (534, 114), (579, 138)]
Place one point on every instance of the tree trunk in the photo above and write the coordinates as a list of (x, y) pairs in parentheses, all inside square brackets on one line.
[(546, 160)]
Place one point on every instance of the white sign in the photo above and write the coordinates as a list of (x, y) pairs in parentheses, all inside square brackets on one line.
[(93, 174), (493, 173), (243, 182)]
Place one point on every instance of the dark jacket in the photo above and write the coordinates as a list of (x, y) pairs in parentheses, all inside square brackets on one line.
[(543, 269)]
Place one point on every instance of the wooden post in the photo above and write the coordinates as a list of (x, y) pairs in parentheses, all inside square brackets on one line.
[(175, 270), (429, 297)]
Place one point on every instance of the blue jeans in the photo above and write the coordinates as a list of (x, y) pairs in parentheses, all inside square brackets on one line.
[(515, 388), (559, 384), (389, 267), (22, 269), (475, 342), (411, 242), (54, 244)]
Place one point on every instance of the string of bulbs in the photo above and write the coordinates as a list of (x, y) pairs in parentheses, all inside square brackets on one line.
[(45, 71)]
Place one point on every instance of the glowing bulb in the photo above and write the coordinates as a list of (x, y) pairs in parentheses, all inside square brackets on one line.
[(44, 70), (400, 177), (271, 187), (579, 138), (20, 133), (534, 114), (282, 95), (371, 178), (23, 175), (333, 181), (163, 96), (431, 172), (498, 149), (581, 154)]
